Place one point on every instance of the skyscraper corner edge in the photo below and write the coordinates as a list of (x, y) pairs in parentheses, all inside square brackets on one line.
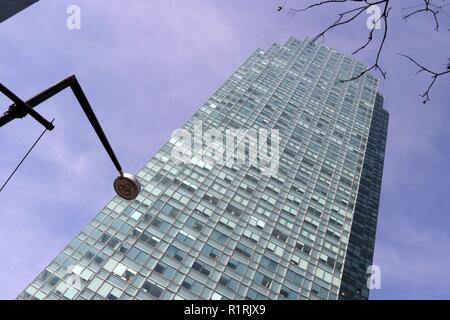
[(9, 8)]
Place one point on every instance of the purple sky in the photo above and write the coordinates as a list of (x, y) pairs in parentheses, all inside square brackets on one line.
[(146, 66)]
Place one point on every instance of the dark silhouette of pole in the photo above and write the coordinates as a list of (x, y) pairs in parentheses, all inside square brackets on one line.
[(20, 109), (126, 185), (26, 108)]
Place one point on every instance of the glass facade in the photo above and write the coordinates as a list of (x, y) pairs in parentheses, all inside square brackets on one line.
[(8, 8), (201, 231)]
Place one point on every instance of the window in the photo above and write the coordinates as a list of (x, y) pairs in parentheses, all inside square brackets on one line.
[(216, 296), (289, 210), (254, 295), (170, 211), (263, 279), (185, 238), (210, 251), (322, 274), (244, 250), (269, 264), (284, 222), (279, 235), (152, 289), (336, 222), (128, 210), (333, 234), (149, 239), (228, 282), (192, 285), (49, 278), (262, 211), (194, 224), (268, 199), (99, 258), (302, 247), (115, 294), (160, 224), (327, 260), (136, 232), (233, 210), (313, 211), (288, 293), (188, 186), (307, 234), (227, 223), (219, 237), (158, 204), (155, 191), (257, 223), (294, 277), (311, 222), (125, 273), (236, 265), (104, 238), (175, 253), (137, 255), (136, 215), (202, 268), (251, 235), (165, 270), (319, 291), (203, 210), (275, 249), (211, 199)]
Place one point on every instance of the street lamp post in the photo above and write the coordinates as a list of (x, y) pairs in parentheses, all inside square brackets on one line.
[(126, 185)]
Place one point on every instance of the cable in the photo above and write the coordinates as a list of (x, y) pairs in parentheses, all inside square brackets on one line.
[(23, 159)]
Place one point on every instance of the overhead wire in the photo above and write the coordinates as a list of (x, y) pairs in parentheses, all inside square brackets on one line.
[(24, 158)]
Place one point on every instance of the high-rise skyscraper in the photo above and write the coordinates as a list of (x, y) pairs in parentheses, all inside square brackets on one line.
[(8, 8), (203, 230)]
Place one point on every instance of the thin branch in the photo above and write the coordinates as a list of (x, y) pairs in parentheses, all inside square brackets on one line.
[(427, 7), (376, 65), (295, 11), (434, 75), (351, 15)]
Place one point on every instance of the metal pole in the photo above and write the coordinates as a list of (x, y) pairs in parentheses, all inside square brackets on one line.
[(26, 108), (14, 113), (83, 101), (19, 110)]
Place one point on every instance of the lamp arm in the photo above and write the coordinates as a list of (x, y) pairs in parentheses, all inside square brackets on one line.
[(21, 109)]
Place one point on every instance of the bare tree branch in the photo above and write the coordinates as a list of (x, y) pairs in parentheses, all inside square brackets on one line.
[(428, 7), (360, 6), (434, 75), (351, 15)]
